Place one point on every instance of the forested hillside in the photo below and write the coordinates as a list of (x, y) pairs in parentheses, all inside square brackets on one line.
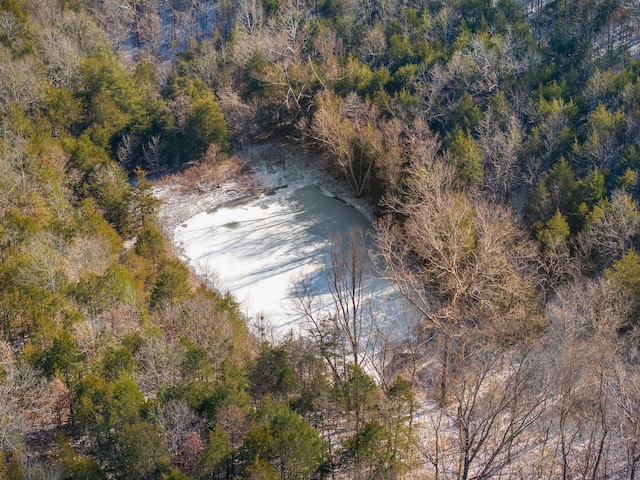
[(500, 145)]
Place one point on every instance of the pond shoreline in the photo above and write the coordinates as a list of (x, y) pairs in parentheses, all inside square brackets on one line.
[(254, 170)]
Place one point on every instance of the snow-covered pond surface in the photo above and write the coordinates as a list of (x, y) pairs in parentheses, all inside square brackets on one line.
[(257, 247)]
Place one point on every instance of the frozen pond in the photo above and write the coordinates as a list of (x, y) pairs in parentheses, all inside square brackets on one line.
[(256, 248)]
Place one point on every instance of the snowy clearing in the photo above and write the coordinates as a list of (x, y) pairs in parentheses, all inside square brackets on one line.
[(256, 236)]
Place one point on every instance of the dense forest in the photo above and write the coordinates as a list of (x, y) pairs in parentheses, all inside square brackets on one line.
[(499, 142)]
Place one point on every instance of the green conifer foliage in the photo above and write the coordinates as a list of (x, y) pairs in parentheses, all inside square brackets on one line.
[(282, 438), (466, 158)]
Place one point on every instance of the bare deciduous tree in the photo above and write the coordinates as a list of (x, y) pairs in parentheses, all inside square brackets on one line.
[(351, 302), (42, 266), (19, 82), (199, 321), (87, 255), (251, 15), (181, 109), (585, 320), (178, 420), (61, 57), (494, 59), (348, 131), (239, 114), (206, 64), (497, 398), (116, 18), (29, 403), (458, 262), (432, 87), (500, 146), (343, 330), (373, 45), (124, 151), (157, 365), (627, 398), (545, 139), (611, 232), (153, 153)]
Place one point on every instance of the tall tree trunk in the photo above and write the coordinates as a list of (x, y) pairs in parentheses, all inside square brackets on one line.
[(444, 369)]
